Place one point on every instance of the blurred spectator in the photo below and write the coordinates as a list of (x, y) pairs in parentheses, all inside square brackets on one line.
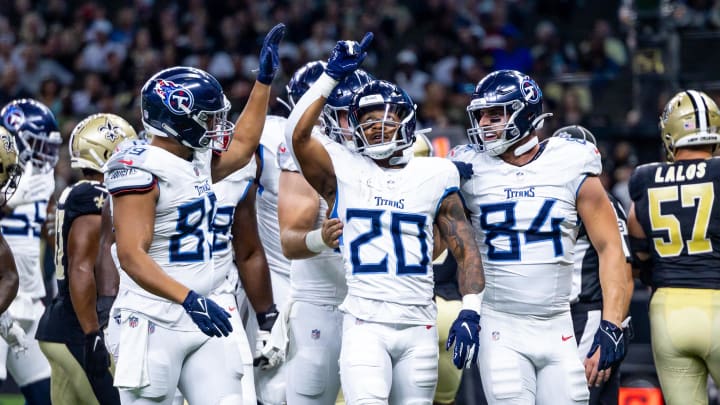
[(34, 69), (94, 56), (514, 55), (551, 55), (10, 85), (409, 77)]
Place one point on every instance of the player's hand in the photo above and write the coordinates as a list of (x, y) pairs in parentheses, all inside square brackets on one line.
[(465, 333), (609, 339), (32, 187), (347, 56), (97, 358), (331, 232), (207, 315), (13, 334), (465, 170), (265, 356), (269, 56)]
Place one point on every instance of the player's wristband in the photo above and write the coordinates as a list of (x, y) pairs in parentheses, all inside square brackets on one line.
[(325, 85), (315, 242), (473, 301)]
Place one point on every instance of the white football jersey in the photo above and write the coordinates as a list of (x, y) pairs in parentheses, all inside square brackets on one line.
[(526, 223), (319, 279), (388, 217), (229, 192), (182, 240), (272, 138), (21, 229)]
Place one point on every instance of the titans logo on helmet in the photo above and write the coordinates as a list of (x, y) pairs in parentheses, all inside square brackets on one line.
[(14, 117), (530, 91), (176, 98)]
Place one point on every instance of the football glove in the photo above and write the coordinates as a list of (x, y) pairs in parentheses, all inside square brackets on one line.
[(207, 315), (97, 358), (32, 187), (609, 339), (347, 56), (13, 334), (266, 357), (269, 57), (465, 333)]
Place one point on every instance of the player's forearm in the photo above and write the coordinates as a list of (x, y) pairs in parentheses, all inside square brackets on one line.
[(83, 294), (305, 115), (613, 281), (150, 276), (246, 136), (9, 281), (293, 244), (255, 278)]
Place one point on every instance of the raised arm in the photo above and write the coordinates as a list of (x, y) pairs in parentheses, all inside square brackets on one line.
[(249, 125), (310, 154)]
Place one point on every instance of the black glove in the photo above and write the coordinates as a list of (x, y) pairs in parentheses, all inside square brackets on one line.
[(609, 339), (207, 315), (97, 358), (269, 56)]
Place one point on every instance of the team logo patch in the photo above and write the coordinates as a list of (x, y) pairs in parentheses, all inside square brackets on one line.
[(315, 334), (133, 321), (176, 98), (530, 91), (14, 117)]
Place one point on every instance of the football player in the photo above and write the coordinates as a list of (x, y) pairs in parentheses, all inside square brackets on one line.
[(674, 226), (70, 333), (526, 233), (38, 139), (270, 375), (317, 278), (163, 206), (10, 172), (586, 294), (388, 205)]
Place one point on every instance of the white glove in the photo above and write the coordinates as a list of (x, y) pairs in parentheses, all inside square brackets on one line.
[(32, 187), (266, 356), (13, 334)]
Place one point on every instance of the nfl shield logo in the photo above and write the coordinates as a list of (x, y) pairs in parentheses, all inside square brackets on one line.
[(315, 334), (151, 328), (133, 322), (496, 335)]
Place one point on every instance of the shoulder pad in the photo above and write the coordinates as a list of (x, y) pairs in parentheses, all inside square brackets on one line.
[(131, 156), (460, 152), (127, 179)]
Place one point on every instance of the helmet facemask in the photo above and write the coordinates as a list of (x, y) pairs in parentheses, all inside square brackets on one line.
[(381, 129), (333, 119), (218, 129), (42, 149), (494, 138)]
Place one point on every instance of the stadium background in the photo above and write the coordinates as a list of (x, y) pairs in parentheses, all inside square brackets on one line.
[(609, 65)]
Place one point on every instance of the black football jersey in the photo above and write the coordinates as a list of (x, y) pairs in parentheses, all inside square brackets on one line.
[(60, 323), (677, 207)]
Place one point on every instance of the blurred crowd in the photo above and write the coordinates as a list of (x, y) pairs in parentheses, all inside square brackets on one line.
[(80, 57)]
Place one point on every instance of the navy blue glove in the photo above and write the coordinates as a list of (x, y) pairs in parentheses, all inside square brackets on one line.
[(209, 316), (347, 56), (609, 338), (97, 358), (269, 58), (465, 332), (464, 169)]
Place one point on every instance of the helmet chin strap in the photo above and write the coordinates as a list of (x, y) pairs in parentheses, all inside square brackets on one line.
[(526, 146)]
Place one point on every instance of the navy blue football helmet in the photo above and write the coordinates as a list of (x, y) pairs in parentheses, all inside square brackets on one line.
[(339, 101), (301, 81), (382, 118), (36, 132), (578, 132), (189, 105), (507, 92)]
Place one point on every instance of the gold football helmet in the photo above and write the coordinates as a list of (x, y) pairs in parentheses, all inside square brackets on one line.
[(422, 145), (690, 118), (10, 169), (94, 139)]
